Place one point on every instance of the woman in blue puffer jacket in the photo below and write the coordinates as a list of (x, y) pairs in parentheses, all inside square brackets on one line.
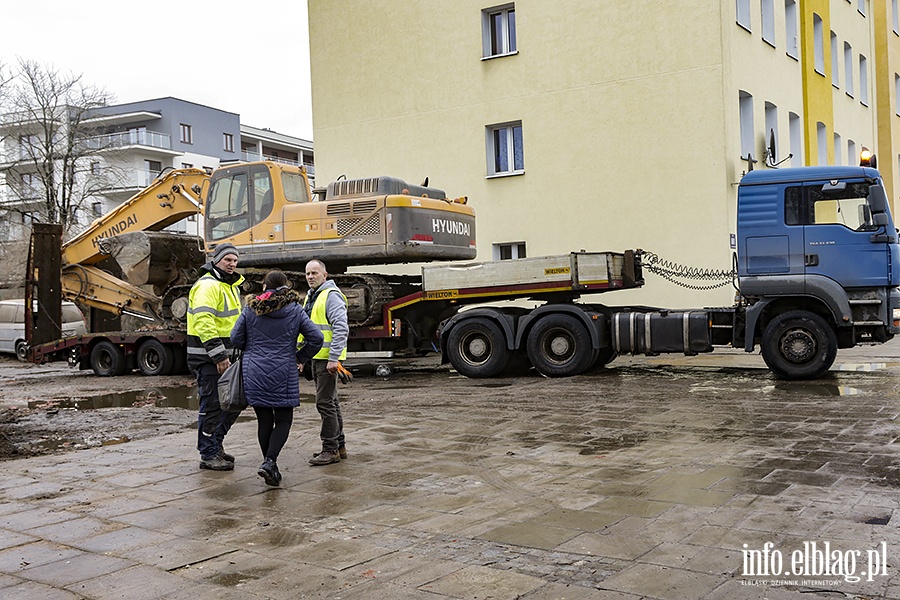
[(267, 332)]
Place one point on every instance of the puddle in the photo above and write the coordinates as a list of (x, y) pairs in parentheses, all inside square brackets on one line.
[(879, 366), (815, 389), (181, 396)]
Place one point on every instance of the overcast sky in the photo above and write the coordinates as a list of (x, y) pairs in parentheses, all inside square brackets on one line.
[(250, 58)]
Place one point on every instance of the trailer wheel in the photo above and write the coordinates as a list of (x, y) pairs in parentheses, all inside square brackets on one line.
[(799, 345), (476, 348), (22, 350), (560, 346), (155, 358), (107, 359)]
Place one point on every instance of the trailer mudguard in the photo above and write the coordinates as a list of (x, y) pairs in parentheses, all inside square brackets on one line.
[(504, 320), (592, 320)]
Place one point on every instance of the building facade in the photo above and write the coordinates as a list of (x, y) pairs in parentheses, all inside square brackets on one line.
[(604, 125)]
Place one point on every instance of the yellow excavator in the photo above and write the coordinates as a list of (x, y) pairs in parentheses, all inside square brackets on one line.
[(270, 213)]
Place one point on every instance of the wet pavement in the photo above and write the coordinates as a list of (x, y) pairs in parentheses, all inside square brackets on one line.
[(667, 477)]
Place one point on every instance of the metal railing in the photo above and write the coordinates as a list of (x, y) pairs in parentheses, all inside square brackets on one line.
[(121, 139)]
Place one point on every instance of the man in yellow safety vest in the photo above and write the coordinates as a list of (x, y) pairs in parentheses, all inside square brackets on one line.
[(327, 307)]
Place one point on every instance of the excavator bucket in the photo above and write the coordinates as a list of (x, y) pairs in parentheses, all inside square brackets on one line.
[(157, 258)]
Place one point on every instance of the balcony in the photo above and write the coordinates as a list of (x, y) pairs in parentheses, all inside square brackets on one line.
[(248, 156), (125, 139), (129, 184)]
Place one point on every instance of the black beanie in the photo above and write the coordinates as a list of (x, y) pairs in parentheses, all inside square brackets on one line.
[(222, 250)]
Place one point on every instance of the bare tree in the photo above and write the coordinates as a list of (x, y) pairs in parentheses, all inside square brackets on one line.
[(51, 175)]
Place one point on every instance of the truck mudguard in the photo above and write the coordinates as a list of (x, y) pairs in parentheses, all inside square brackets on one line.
[(592, 320), (503, 319)]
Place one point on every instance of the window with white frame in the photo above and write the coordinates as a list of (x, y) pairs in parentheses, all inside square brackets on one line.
[(796, 133), (848, 69), (852, 154), (504, 149), (822, 143), (837, 149), (498, 30), (742, 13), (863, 80), (228, 142), (834, 61), (767, 10), (819, 44), (861, 7), (509, 251), (95, 167), (30, 185), (746, 117), (790, 28)]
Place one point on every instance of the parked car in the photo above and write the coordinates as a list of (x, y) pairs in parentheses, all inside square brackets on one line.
[(12, 325)]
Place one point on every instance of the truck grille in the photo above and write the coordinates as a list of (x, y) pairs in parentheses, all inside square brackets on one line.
[(371, 227), (355, 187)]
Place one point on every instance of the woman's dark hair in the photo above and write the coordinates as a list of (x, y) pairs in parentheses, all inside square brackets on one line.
[(274, 280)]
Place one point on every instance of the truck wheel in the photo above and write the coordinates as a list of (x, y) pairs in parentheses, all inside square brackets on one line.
[(22, 350), (107, 359), (604, 357), (155, 358), (477, 348), (560, 346), (799, 345)]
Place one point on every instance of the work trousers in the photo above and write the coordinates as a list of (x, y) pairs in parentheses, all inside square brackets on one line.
[(329, 408), (212, 422), (273, 425)]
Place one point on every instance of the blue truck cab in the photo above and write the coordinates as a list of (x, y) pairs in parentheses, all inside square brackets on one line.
[(818, 264)]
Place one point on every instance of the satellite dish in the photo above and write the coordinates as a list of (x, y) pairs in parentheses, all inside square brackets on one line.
[(770, 147)]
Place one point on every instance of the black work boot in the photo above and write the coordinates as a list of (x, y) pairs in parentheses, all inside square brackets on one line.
[(269, 471), (216, 463)]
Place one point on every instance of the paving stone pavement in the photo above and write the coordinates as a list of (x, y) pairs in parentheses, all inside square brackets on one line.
[(648, 481)]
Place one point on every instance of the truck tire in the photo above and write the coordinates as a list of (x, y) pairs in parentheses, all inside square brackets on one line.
[(22, 350), (799, 345), (560, 346), (603, 357), (107, 359), (476, 348), (155, 358)]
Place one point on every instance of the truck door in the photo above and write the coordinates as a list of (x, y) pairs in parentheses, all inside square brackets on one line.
[(266, 230), (838, 236)]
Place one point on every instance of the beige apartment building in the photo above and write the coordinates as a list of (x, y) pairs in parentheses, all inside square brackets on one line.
[(603, 125)]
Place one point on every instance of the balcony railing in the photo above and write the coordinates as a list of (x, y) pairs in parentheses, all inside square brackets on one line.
[(139, 178), (154, 139), (248, 156)]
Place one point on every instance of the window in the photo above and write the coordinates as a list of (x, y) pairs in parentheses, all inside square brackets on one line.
[(98, 209), (30, 185), (95, 167), (229, 142), (29, 146), (742, 9), (509, 251), (834, 60), (504, 149), (771, 130), (849, 207), (767, 8), (790, 28), (818, 44), (187, 136), (187, 165), (895, 6), (822, 143), (498, 31), (228, 206), (861, 7), (852, 154), (746, 116), (863, 80), (897, 94), (794, 128), (837, 149), (848, 69)]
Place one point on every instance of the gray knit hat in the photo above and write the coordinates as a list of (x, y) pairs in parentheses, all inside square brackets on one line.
[(223, 250)]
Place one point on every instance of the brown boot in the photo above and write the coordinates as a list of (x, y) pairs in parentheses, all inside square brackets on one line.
[(325, 457)]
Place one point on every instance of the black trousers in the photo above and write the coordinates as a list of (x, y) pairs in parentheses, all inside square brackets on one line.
[(273, 428)]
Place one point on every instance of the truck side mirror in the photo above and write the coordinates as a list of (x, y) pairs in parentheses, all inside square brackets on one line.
[(877, 199)]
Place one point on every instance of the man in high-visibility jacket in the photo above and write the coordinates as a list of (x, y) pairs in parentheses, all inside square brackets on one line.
[(327, 307), (215, 304)]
